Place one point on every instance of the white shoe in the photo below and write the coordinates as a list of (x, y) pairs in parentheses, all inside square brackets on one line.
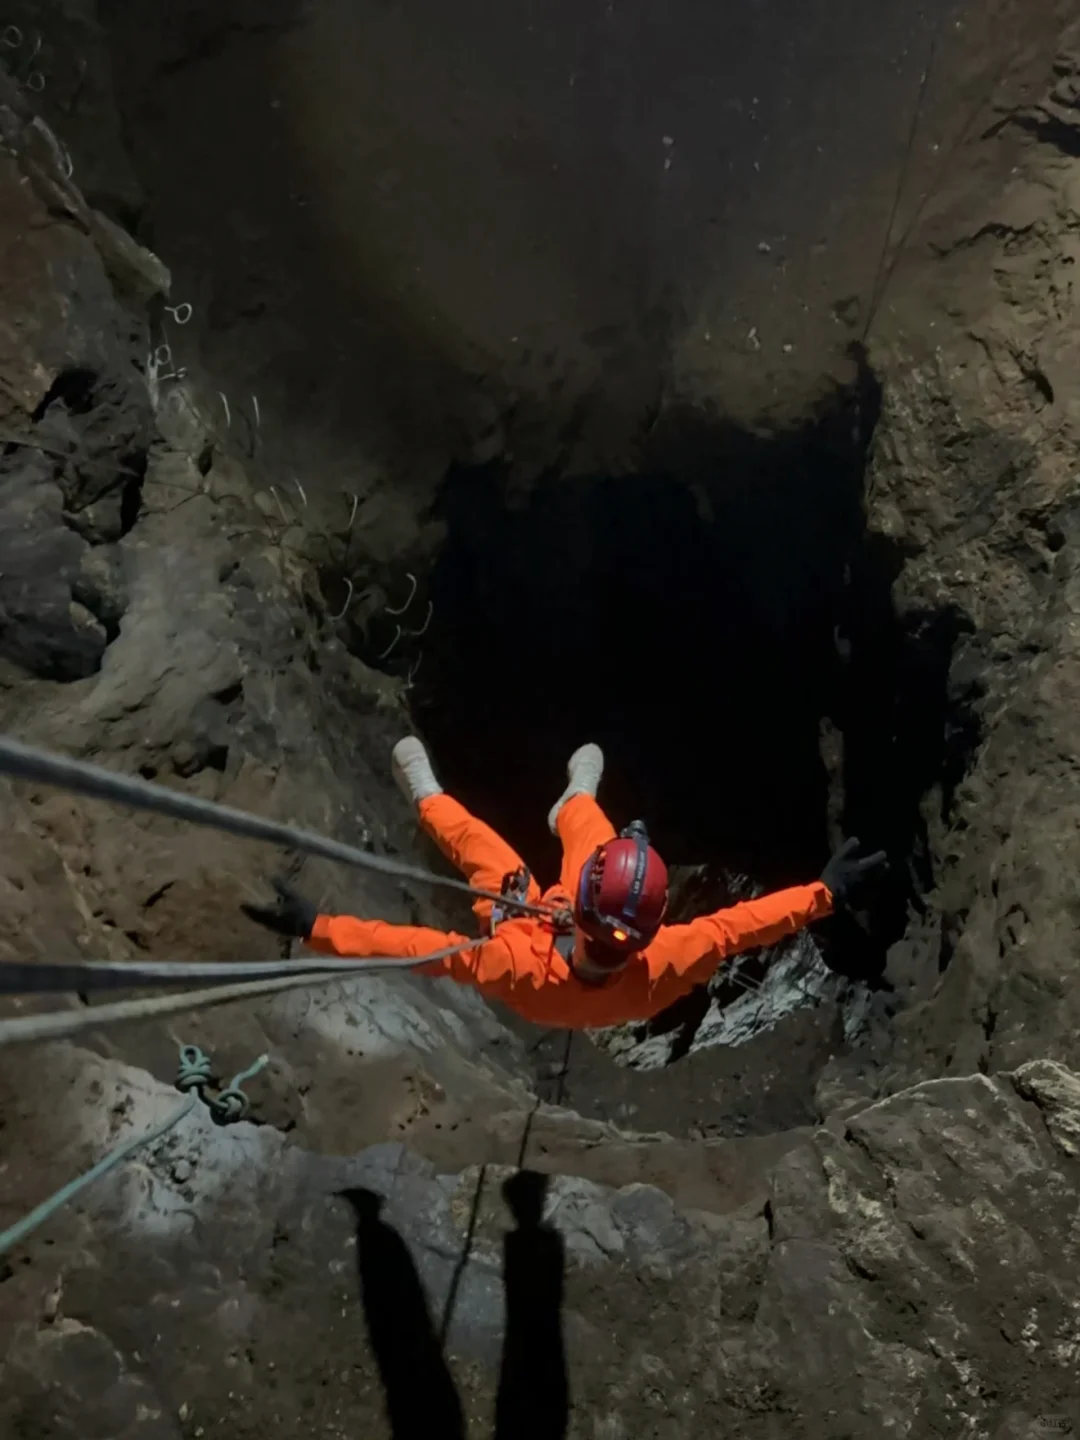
[(412, 770), (583, 772)]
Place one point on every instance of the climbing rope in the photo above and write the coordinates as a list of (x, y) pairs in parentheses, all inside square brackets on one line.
[(24, 762), (885, 267), (89, 976), (59, 1024), (893, 248), (195, 1074), (194, 1078), (255, 980)]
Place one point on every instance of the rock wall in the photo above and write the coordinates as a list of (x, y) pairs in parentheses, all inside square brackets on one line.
[(912, 1268), (893, 1247), (206, 662), (973, 491)]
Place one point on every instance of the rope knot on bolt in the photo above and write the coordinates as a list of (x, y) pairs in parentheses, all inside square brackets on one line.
[(194, 1077), (195, 1074)]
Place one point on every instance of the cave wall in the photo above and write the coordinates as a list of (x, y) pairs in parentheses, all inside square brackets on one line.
[(446, 231), (973, 489), (694, 1268)]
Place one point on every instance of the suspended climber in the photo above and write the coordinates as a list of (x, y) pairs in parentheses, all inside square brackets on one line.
[(600, 954)]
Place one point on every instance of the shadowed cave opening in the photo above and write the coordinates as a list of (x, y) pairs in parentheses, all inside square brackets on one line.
[(723, 625)]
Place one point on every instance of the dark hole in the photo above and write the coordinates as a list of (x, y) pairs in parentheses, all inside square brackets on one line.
[(700, 620), (131, 496), (217, 756), (130, 504), (1041, 381), (157, 895), (73, 388)]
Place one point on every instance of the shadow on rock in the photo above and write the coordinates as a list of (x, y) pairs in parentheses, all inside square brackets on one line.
[(421, 1401), (533, 1399), (533, 1402)]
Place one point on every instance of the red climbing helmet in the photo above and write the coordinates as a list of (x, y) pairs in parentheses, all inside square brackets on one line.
[(623, 893)]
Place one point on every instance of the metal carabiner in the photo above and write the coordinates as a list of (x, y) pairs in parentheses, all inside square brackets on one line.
[(515, 886), (11, 37)]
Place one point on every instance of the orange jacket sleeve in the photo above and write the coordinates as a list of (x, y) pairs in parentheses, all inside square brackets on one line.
[(508, 968), (352, 938), (683, 956), (488, 965)]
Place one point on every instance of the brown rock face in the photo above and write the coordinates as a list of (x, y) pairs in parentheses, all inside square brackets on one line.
[(471, 335)]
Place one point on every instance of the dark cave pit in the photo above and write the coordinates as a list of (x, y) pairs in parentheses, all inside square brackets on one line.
[(709, 621)]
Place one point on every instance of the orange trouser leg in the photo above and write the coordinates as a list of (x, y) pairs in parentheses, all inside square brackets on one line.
[(582, 826), (479, 853)]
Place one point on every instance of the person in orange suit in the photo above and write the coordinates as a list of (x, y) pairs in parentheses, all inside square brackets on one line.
[(602, 954)]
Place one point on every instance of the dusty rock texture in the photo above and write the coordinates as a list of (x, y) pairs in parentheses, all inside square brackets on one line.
[(911, 1269), (972, 492), (862, 1219), (206, 662)]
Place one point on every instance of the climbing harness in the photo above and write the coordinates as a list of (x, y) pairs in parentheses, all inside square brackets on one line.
[(515, 890), (194, 1079), (24, 762), (515, 886)]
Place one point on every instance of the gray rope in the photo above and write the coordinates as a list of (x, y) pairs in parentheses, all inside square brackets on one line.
[(194, 1075), (59, 1024), (24, 762), (87, 977), (230, 1104), (17, 1233)]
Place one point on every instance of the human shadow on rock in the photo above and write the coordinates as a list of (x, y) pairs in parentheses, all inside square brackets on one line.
[(421, 1401), (533, 1399)]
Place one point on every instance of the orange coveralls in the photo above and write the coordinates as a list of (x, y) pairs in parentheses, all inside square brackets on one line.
[(520, 965)]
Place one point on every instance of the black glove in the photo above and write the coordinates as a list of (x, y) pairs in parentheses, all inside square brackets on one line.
[(847, 870), (290, 915)]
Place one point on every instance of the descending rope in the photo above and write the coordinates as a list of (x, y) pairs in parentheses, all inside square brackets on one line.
[(89, 976), (58, 1024), (194, 1077), (254, 980), (24, 762), (885, 268), (15, 1234), (887, 262)]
